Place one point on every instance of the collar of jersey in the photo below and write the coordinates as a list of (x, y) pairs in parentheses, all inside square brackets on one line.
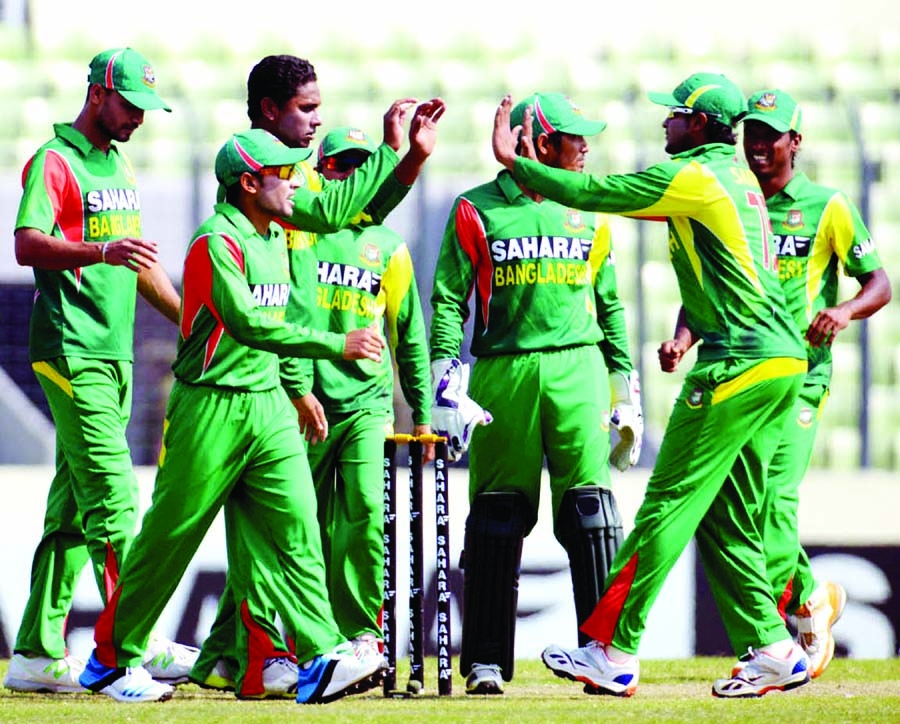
[(242, 225), (708, 149), (76, 139), (794, 188)]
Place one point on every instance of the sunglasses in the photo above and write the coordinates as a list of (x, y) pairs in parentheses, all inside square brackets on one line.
[(284, 173), (685, 111), (342, 164)]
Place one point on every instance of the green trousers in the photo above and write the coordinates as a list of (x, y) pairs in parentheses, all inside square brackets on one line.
[(709, 481), (92, 504), (349, 479), (787, 562), (552, 405), (243, 451), (348, 474)]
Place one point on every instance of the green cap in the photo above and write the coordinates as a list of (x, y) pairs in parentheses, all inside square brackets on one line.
[(345, 138), (710, 93), (551, 112), (130, 73), (252, 150), (775, 108)]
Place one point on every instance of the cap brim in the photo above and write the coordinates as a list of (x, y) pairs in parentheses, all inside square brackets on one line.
[(663, 99), (287, 156), (586, 128), (775, 123), (335, 149), (145, 101)]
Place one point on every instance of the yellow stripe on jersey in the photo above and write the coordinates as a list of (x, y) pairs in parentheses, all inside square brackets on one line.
[(600, 248), (162, 447), (313, 179), (769, 370), (696, 193), (834, 235), (395, 284), (681, 227), (45, 369)]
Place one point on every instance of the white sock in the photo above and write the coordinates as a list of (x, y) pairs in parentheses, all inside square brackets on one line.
[(617, 656), (779, 649)]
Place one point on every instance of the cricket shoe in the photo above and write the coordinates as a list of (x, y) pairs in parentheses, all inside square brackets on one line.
[(132, 685), (484, 679), (43, 674), (169, 662), (337, 674), (368, 645), (814, 621), (741, 663), (591, 666), (219, 679), (280, 679), (763, 673)]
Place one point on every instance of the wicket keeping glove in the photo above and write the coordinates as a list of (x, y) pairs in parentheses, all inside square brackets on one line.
[(627, 417), (454, 414)]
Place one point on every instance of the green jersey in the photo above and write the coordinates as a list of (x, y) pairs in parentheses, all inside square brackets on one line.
[(719, 243), (542, 274), (236, 286), (817, 230), (324, 206), (81, 194), (365, 275)]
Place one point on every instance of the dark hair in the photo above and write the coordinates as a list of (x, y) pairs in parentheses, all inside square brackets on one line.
[(718, 132), (555, 139), (233, 193), (277, 77)]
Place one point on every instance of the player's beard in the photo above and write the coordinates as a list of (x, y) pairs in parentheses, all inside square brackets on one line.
[(120, 133)]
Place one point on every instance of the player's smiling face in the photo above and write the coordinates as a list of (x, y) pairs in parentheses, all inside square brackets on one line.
[(297, 121), (767, 150)]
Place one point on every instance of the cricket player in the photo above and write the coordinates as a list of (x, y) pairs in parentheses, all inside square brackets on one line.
[(79, 227), (283, 98), (550, 341), (709, 479), (231, 439), (365, 275), (817, 231)]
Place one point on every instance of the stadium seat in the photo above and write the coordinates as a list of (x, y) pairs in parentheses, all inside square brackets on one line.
[(837, 447), (823, 122), (860, 80), (805, 81)]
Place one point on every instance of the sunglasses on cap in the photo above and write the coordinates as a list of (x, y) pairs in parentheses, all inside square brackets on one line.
[(342, 163), (685, 111), (284, 173)]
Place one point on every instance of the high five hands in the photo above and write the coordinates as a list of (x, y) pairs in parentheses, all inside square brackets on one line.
[(506, 141)]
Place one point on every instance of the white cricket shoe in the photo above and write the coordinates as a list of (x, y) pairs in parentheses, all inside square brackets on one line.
[(763, 673), (484, 679), (43, 674), (132, 685), (336, 674), (814, 621), (169, 662), (280, 678), (591, 666), (368, 645)]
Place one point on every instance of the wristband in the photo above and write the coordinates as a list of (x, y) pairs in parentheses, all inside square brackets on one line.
[(103, 251)]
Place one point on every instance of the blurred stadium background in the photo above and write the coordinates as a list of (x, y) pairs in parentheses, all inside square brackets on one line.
[(841, 60)]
